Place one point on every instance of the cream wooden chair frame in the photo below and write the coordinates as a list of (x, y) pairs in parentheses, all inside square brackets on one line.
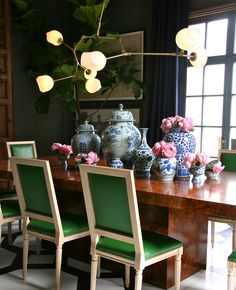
[(213, 219), (231, 265), (59, 238), (139, 263)]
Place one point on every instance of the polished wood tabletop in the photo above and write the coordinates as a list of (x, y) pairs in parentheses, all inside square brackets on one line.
[(216, 194)]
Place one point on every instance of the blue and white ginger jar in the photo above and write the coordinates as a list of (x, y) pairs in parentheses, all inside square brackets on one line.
[(120, 138), (184, 142), (85, 140)]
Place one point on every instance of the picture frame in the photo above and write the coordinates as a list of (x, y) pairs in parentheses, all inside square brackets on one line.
[(99, 118), (132, 42)]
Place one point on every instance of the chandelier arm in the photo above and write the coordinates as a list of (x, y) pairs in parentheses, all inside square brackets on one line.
[(100, 20), (181, 54)]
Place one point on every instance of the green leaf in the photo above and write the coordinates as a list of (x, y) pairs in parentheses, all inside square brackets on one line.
[(42, 104), (21, 4)]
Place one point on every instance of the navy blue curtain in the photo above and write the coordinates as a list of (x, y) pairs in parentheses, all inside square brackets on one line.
[(167, 75)]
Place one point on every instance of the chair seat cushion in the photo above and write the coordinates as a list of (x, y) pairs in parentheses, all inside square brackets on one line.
[(10, 208), (7, 192), (154, 244), (71, 223), (232, 257)]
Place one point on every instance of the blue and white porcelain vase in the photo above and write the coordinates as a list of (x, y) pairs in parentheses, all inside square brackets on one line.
[(143, 157), (85, 140), (120, 138), (164, 168), (184, 142)]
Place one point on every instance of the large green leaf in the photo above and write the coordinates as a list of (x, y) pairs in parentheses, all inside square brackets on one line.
[(42, 104)]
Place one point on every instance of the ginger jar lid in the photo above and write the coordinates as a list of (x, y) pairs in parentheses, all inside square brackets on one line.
[(120, 115), (86, 127)]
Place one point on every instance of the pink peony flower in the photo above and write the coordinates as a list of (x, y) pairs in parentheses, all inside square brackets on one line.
[(62, 149), (164, 149), (89, 158), (185, 124), (195, 159), (217, 167)]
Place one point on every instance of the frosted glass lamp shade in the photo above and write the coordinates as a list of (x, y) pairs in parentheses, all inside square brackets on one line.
[(94, 60), (45, 83), (198, 57), (93, 85), (54, 37), (187, 38), (90, 74)]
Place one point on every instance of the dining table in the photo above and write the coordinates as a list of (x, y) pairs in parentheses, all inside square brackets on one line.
[(178, 208)]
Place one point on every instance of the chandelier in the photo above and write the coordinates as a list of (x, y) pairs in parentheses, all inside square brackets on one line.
[(91, 62)]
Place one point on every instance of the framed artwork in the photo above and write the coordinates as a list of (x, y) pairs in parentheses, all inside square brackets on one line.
[(132, 42), (100, 119)]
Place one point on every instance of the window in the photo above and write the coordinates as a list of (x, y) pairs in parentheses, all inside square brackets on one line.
[(211, 91)]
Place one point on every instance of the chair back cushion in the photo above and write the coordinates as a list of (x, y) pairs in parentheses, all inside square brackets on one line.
[(110, 202), (111, 205), (228, 159), (34, 189), (23, 150)]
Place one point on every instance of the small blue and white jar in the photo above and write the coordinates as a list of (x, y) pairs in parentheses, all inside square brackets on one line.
[(164, 168), (198, 173)]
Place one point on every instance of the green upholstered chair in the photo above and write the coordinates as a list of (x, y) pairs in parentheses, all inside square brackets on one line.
[(228, 159), (9, 212), (114, 224), (40, 212), (26, 149)]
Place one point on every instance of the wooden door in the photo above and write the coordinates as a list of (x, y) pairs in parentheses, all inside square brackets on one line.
[(6, 114)]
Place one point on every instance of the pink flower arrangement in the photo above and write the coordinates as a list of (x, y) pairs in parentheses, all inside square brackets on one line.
[(61, 148), (164, 149), (185, 124), (89, 158), (193, 160), (215, 166)]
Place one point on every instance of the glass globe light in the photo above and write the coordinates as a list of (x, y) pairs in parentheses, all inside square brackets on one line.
[(198, 57), (187, 38), (54, 37), (89, 74), (45, 83), (93, 85), (94, 60)]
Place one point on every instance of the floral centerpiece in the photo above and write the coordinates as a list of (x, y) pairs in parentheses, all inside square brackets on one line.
[(213, 169), (164, 149), (177, 122), (63, 149), (89, 158), (178, 130), (164, 164), (196, 163), (62, 152)]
